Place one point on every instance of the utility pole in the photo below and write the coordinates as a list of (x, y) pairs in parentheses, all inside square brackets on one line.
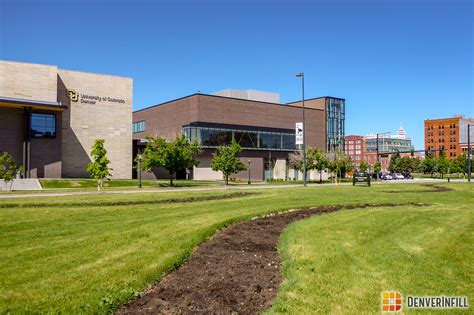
[(377, 148)]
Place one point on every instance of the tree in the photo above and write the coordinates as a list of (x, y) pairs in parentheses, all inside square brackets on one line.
[(317, 160), (345, 165), (339, 164), (428, 165), (295, 160), (173, 156), (393, 162), (377, 168), (99, 168), (443, 164), (8, 169), (226, 159), (363, 166), (460, 164)]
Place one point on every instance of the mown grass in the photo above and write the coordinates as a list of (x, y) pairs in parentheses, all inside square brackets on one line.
[(57, 255), (114, 183), (341, 262)]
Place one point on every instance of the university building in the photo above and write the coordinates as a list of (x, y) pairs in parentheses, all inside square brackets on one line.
[(448, 135), (50, 118), (264, 127)]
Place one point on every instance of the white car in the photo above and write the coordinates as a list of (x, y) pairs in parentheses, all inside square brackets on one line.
[(398, 176), (386, 177)]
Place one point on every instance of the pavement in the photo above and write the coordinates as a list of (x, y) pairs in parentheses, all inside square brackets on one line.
[(240, 187), (21, 184)]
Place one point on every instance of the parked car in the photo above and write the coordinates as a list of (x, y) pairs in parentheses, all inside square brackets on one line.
[(397, 176), (407, 175), (386, 176)]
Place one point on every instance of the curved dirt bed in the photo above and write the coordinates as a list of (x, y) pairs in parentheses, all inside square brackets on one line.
[(432, 188), (237, 270)]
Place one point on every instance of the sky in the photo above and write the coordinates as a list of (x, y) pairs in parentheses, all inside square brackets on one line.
[(394, 61)]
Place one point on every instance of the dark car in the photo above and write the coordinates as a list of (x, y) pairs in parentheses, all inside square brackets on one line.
[(407, 175)]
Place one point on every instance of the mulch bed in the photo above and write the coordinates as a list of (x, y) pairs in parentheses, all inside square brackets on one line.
[(237, 270), (433, 188)]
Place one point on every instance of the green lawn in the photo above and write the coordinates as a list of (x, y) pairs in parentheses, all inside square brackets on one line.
[(92, 253), (114, 183), (341, 262)]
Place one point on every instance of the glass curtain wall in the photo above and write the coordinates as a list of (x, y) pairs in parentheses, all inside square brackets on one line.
[(248, 139), (335, 121)]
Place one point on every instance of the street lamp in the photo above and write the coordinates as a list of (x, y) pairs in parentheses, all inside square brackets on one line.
[(139, 169), (249, 173), (469, 153), (301, 75)]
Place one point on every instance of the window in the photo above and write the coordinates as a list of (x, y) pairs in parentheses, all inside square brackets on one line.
[(43, 125), (138, 126), (249, 139)]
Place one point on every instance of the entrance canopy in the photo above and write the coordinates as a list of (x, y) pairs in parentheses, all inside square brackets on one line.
[(21, 103)]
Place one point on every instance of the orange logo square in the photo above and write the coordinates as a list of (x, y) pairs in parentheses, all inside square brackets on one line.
[(391, 301)]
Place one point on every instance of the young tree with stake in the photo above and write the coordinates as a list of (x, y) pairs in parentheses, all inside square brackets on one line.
[(8, 169), (99, 168)]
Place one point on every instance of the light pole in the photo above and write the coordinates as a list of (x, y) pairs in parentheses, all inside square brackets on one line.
[(377, 148), (301, 75), (249, 173), (469, 153), (139, 169)]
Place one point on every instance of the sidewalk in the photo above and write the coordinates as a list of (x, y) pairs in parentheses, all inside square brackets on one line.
[(241, 187)]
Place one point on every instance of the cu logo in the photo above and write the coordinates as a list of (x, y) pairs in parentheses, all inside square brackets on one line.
[(73, 95)]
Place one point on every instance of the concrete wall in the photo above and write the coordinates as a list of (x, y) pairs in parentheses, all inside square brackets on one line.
[(280, 169), (204, 171), (105, 119), (28, 81)]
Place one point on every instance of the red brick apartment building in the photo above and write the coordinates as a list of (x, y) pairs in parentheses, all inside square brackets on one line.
[(355, 148), (448, 135)]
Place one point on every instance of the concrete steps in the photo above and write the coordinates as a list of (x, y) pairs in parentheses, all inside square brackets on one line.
[(22, 184)]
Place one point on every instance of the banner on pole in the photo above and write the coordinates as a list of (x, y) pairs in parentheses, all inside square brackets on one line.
[(299, 133)]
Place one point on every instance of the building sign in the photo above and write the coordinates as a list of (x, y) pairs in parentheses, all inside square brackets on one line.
[(299, 133), (91, 99), (73, 95), (361, 177)]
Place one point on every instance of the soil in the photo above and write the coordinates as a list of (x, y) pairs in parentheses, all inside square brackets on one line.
[(433, 188), (236, 271)]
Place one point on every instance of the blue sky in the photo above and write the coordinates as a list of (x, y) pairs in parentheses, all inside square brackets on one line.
[(393, 60)]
